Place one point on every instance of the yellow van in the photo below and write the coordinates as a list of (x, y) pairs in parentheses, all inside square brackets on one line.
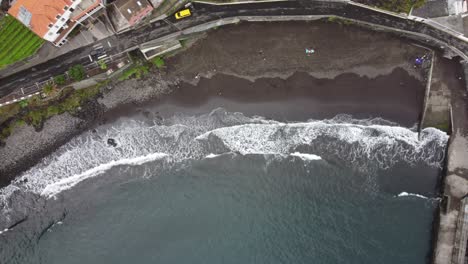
[(183, 13)]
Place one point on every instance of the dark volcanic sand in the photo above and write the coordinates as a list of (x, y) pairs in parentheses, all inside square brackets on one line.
[(397, 97)]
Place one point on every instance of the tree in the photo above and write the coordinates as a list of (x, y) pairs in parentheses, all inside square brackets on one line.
[(77, 72), (60, 79), (102, 64), (48, 88)]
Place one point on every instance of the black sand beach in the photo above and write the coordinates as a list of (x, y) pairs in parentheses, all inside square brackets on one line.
[(256, 68), (397, 97)]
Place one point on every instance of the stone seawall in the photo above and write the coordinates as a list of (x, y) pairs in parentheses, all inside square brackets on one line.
[(447, 108)]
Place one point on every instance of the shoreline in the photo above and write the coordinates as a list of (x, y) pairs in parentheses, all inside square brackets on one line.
[(268, 49), (284, 102)]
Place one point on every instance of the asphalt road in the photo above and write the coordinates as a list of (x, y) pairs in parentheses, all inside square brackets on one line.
[(202, 13)]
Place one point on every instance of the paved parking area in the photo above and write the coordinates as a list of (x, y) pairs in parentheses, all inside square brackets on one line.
[(97, 31)]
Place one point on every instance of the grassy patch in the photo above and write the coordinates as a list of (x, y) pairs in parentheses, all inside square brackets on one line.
[(8, 111), (397, 6), (17, 42), (401, 6), (158, 62), (136, 72), (339, 20), (444, 127)]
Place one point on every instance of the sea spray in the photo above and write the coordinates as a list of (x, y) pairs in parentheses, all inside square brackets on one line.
[(361, 146), (406, 194)]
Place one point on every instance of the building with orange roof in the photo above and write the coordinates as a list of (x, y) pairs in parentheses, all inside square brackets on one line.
[(53, 20)]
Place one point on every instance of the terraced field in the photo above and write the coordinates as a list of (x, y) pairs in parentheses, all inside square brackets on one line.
[(17, 42)]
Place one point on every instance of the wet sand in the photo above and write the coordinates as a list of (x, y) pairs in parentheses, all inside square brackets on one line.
[(397, 97)]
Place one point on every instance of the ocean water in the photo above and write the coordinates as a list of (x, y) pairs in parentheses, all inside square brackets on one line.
[(223, 187)]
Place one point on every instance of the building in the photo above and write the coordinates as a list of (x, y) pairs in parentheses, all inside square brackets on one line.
[(124, 14), (53, 20)]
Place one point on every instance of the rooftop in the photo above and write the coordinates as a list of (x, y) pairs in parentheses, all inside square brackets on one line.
[(125, 13), (432, 8), (128, 8), (37, 15)]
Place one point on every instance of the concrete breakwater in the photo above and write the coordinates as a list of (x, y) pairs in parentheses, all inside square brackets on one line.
[(447, 101)]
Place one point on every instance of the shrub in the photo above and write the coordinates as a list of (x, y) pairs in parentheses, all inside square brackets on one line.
[(77, 72), (102, 64), (137, 72), (8, 111), (53, 110), (23, 103), (48, 88), (35, 118), (60, 79), (158, 62)]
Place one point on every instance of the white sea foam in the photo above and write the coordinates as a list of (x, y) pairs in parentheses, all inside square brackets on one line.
[(357, 144), (306, 156), (211, 156), (406, 194), (66, 183)]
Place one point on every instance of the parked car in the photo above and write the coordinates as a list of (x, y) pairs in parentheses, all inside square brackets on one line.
[(183, 13)]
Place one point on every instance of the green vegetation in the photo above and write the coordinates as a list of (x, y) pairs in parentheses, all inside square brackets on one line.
[(77, 72), (73, 99), (17, 42), (48, 88), (445, 126), (399, 6), (183, 42), (37, 110), (339, 20), (102, 64), (60, 79), (158, 62), (23, 103), (8, 111), (332, 19), (137, 72)]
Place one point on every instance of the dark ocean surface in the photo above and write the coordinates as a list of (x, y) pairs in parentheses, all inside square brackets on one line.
[(222, 187)]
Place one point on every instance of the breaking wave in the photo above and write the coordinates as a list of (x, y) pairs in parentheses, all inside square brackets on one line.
[(305, 156), (66, 183), (365, 145), (405, 194)]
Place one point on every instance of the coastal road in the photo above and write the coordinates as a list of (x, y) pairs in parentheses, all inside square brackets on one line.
[(203, 13)]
